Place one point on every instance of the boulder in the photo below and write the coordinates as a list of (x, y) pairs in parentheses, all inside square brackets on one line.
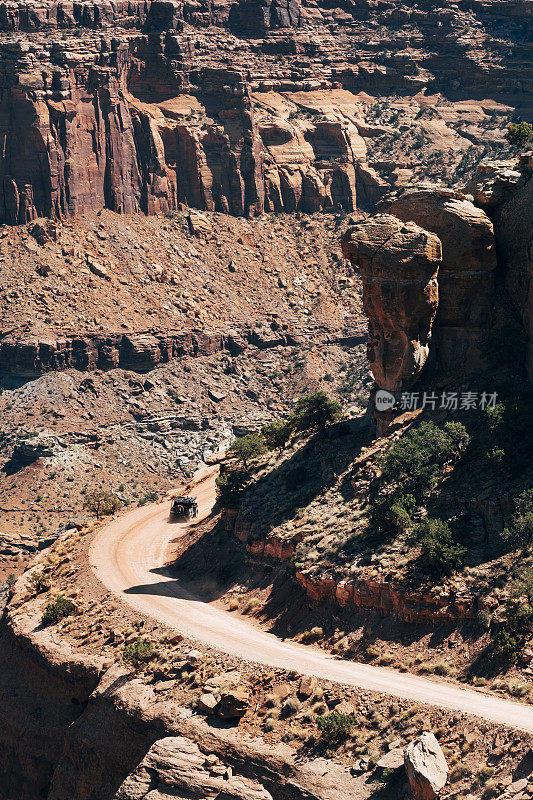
[(394, 759), (207, 703), (308, 686), (426, 767), (176, 767), (399, 263), (233, 704)]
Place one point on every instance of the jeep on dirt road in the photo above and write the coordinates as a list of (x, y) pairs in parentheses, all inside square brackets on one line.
[(184, 508)]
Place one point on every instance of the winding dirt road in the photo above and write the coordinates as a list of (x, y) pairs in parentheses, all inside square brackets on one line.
[(129, 555)]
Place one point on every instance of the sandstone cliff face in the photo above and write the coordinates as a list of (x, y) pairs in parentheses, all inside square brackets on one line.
[(465, 276), (514, 235), (132, 109), (399, 263)]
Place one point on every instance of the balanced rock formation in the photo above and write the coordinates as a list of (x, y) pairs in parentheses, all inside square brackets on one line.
[(426, 767), (399, 263), (465, 275), (176, 767)]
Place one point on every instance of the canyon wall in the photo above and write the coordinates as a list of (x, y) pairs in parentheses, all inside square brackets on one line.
[(151, 106)]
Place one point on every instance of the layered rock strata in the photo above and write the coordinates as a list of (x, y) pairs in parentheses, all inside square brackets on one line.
[(32, 356)]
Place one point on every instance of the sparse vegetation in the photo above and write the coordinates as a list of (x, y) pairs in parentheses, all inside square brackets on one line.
[(519, 134), (416, 460), (439, 552), (314, 411), (335, 726), (246, 447), (276, 434), (59, 609), (228, 487), (102, 503), (138, 652)]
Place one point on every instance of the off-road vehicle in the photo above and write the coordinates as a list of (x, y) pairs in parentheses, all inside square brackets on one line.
[(184, 508)]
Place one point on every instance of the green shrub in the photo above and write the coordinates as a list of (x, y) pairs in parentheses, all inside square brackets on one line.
[(149, 497), (58, 610), (276, 434), (511, 635), (335, 726), (314, 411), (519, 134), (138, 652), (416, 460), (439, 552), (229, 485), (246, 447), (510, 434), (39, 582), (521, 530), (102, 503), (392, 513)]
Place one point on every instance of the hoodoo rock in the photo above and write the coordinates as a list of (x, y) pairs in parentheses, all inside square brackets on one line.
[(399, 262), (426, 767), (465, 275)]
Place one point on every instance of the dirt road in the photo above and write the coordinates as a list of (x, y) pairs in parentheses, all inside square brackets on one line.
[(129, 555)]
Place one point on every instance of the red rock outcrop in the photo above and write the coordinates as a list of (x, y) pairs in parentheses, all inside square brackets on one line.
[(399, 263), (465, 276)]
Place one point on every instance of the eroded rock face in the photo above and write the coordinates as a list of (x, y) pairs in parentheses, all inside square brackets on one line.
[(176, 767), (426, 767), (513, 226), (399, 262), (465, 275)]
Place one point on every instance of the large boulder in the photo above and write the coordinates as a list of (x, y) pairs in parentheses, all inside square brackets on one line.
[(175, 767), (399, 263), (426, 767), (465, 275)]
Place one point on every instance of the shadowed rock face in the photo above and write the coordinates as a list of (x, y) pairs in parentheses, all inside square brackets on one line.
[(399, 263), (465, 275), (514, 233)]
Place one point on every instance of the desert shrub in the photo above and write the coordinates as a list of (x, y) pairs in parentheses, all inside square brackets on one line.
[(102, 503), (138, 652), (439, 552), (512, 634), (229, 485), (315, 633), (10, 580), (290, 706), (335, 726), (521, 529), (276, 434), (416, 460), (510, 434), (314, 411), (519, 134), (246, 447), (149, 497), (39, 582), (392, 513), (54, 612)]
